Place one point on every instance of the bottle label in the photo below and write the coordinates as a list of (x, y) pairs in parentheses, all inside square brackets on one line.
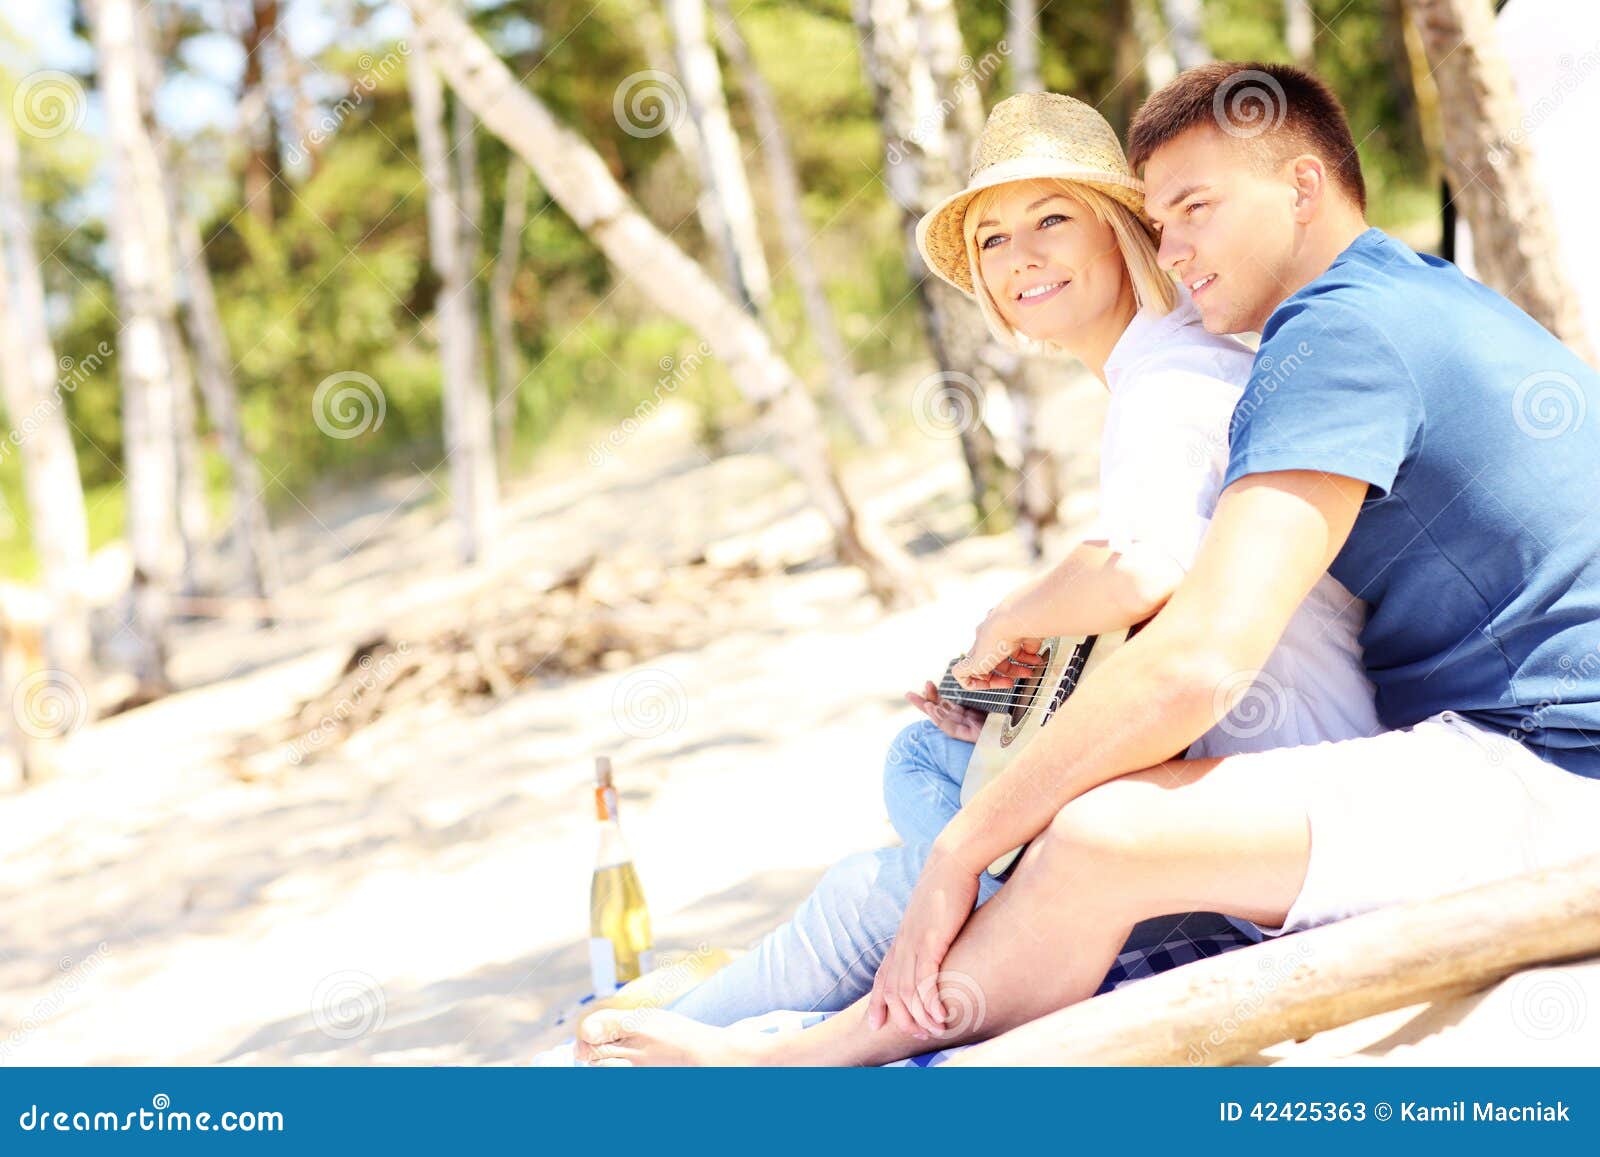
[(602, 965)]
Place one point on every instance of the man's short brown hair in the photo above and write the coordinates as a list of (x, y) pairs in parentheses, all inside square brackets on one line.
[(1277, 109)]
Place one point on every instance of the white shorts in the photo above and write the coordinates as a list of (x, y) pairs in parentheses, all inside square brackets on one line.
[(1426, 811)]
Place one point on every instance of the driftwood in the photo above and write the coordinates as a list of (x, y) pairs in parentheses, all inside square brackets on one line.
[(601, 615), (1224, 1010)]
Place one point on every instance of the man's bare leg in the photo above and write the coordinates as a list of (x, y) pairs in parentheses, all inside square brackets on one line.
[(1226, 835)]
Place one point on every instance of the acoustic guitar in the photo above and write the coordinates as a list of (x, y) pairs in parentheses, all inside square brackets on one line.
[(1016, 713)]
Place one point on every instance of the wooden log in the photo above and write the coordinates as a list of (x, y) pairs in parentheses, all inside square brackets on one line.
[(1224, 1010)]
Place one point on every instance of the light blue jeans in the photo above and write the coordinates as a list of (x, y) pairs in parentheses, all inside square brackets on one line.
[(825, 958)]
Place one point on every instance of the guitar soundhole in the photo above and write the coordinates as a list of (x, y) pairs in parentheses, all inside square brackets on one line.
[(1025, 691)]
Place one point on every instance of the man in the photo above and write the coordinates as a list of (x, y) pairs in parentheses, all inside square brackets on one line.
[(1406, 429)]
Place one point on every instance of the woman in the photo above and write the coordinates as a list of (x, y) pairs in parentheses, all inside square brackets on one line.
[(1050, 239)]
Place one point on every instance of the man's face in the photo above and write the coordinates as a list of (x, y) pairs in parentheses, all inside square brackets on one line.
[(1228, 229)]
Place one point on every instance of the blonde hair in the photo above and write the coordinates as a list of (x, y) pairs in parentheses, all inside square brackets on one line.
[(1152, 288)]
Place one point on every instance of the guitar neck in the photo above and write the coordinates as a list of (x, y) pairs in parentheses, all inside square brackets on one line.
[(991, 701)]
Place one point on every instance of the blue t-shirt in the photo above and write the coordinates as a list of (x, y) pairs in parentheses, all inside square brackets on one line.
[(1478, 545)]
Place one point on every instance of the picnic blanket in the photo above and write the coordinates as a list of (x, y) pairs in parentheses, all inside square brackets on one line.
[(1130, 967)]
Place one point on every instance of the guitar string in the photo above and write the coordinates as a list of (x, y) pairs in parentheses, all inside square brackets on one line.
[(1003, 695)]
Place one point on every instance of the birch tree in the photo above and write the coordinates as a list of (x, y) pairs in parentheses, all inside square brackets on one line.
[(1160, 65), (790, 211), (721, 157), (657, 92), (469, 190), (467, 432), (922, 135), (36, 407), (508, 369), (1299, 30), (1490, 166), (1027, 484), (194, 514), (579, 182), (148, 408), (252, 531), (1186, 32), (192, 322), (263, 161), (1022, 38)]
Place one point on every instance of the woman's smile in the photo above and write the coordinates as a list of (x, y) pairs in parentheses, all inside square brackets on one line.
[(1044, 291)]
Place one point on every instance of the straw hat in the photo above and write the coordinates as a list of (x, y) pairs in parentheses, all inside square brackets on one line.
[(1029, 136)]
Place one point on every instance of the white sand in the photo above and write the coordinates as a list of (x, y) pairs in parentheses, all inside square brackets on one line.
[(421, 894)]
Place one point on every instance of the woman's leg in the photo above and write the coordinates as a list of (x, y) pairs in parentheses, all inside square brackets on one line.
[(1212, 834), (922, 774), (827, 954), (825, 957)]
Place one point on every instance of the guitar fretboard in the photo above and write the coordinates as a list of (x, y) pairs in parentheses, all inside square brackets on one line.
[(991, 701), (1025, 692)]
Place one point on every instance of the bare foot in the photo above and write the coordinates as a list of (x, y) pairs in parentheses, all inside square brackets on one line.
[(653, 1036)]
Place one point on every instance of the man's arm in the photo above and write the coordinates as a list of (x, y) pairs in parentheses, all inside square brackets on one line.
[(1272, 537)]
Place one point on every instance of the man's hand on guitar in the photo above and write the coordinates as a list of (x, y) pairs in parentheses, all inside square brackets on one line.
[(998, 657), (954, 720)]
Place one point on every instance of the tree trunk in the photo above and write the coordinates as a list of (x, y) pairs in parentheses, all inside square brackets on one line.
[(1026, 486), (469, 186), (721, 157), (1491, 168), (194, 515), (955, 81), (196, 324), (465, 147), (1300, 31), (58, 523), (252, 530), (1186, 32), (1227, 1009), (661, 94), (138, 203), (468, 436), (790, 212), (920, 170), (263, 162), (578, 180), (508, 367), (1022, 37), (1160, 66), (194, 510)]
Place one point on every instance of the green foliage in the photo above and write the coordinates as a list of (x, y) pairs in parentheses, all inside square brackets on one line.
[(330, 273)]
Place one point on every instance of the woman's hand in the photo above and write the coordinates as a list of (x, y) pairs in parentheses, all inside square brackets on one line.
[(954, 720), (906, 989), (999, 656)]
